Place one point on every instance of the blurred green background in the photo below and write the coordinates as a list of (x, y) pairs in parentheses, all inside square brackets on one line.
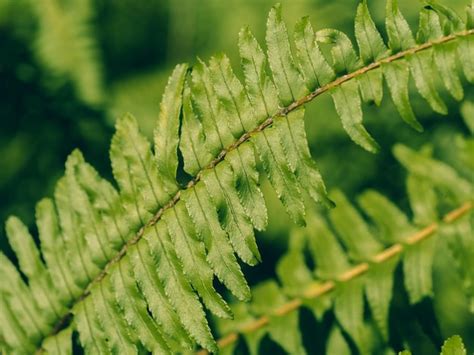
[(69, 68)]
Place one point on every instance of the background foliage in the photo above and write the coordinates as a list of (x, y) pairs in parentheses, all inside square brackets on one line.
[(115, 57)]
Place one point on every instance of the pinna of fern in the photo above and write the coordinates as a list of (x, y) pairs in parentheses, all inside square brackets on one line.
[(131, 269), (452, 345), (65, 46), (355, 260)]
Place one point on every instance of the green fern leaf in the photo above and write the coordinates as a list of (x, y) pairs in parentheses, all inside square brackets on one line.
[(247, 184), (21, 302), (440, 174), (152, 286), (347, 101), (466, 47), (60, 344), (192, 140), (282, 179), (219, 250), (467, 112), (243, 316), (461, 246), (324, 248), (378, 288), (218, 134), (392, 224), (371, 87), (352, 229), (422, 200), (33, 268), (284, 329), (52, 245), (421, 64), (286, 75), (110, 317), (78, 255), (368, 38), (445, 55), (313, 65), (417, 265), (295, 275), (127, 186), (219, 183), (293, 138), (361, 244), (337, 345), (418, 259), (231, 94), (344, 57), (236, 105), (64, 44), (91, 333), (349, 311), (103, 203), (134, 308), (260, 89), (177, 287), (429, 27), (454, 23), (97, 237), (11, 330), (400, 36), (292, 270), (453, 346), (191, 252), (397, 75), (141, 169), (167, 128)]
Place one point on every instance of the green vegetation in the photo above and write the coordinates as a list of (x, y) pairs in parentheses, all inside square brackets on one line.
[(154, 259)]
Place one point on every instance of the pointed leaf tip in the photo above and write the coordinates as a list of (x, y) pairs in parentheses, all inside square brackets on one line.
[(286, 75), (166, 134), (371, 44), (348, 106)]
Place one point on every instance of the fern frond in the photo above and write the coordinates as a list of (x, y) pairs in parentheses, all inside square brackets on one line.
[(65, 45), (452, 346), (358, 259), (145, 256)]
